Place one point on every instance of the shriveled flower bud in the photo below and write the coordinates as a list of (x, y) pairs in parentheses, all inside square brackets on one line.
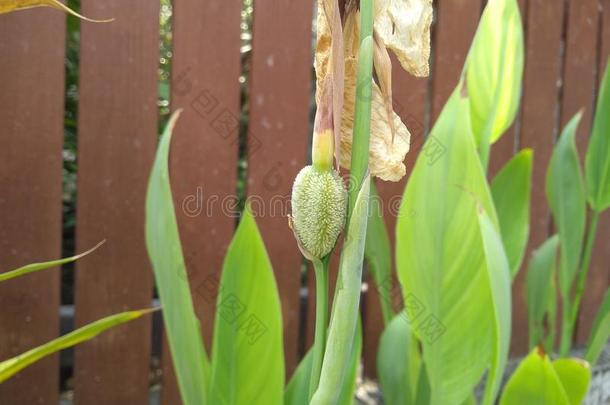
[(319, 201)]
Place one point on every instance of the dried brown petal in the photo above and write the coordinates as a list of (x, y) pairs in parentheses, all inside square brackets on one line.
[(404, 27), (385, 156)]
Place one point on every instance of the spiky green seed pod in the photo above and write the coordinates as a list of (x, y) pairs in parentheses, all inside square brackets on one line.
[(319, 201)]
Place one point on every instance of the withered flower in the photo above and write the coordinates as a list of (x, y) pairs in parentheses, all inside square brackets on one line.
[(402, 26)]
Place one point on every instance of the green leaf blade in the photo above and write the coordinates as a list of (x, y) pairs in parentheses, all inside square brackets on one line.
[(494, 70), (12, 366), (597, 161), (35, 267), (600, 331), (398, 362), (498, 272), (165, 251), (511, 190), (248, 350), (534, 382), (575, 376), (378, 254), (566, 195), (440, 258), (540, 288)]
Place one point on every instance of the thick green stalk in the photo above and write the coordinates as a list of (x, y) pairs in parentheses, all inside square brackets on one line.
[(321, 274), (572, 307), (362, 114), (346, 304)]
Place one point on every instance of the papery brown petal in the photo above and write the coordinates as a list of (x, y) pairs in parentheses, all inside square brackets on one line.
[(386, 156), (383, 69), (404, 26)]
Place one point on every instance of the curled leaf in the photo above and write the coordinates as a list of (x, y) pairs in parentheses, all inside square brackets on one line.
[(6, 6), (404, 27)]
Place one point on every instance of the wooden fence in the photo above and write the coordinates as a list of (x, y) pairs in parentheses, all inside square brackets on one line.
[(567, 45)]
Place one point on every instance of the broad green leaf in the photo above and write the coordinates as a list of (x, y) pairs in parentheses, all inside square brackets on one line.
[(540, 288), (498, 272), (575, 376), (398, 362), (248, 350), (297, 390), (165, 252), (344, 319), (423, 387), (34, 267), (535, 382), (378, 254), (6, 6), (12, 366), (566, 195), (600, 331), (494, 70), (511, 190), (440, 259), (597, 161)]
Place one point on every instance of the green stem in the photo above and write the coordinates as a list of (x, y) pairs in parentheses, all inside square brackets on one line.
[(572, 308), (362, 114), (566, 326), (319, 345), (346, 304)]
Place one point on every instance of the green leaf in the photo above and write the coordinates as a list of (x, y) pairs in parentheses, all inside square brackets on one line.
[(511, 190), (540, 288), (10, 367), (440, 258), (248, 350), (566, 194), (535, 382), (297, 390), (344, 319), (494, 70), (575, 376), (597, 161), (498, 272), (163, 244), (34, 267), (398, 362), (378, 254), (600, 331)]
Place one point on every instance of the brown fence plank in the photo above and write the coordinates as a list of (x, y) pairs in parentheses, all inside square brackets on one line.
[(538, 129), (456, 23), (599, 276), (410, 98), (31, 115), (278, 138), (117, 139), (205, 147)]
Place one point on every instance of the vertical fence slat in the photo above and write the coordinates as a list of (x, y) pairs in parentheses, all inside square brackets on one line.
[(456, 23), (410, 97), (205, 84), (542, 72), (116, 143), (599, 278), (278, 138), (31, 113)]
